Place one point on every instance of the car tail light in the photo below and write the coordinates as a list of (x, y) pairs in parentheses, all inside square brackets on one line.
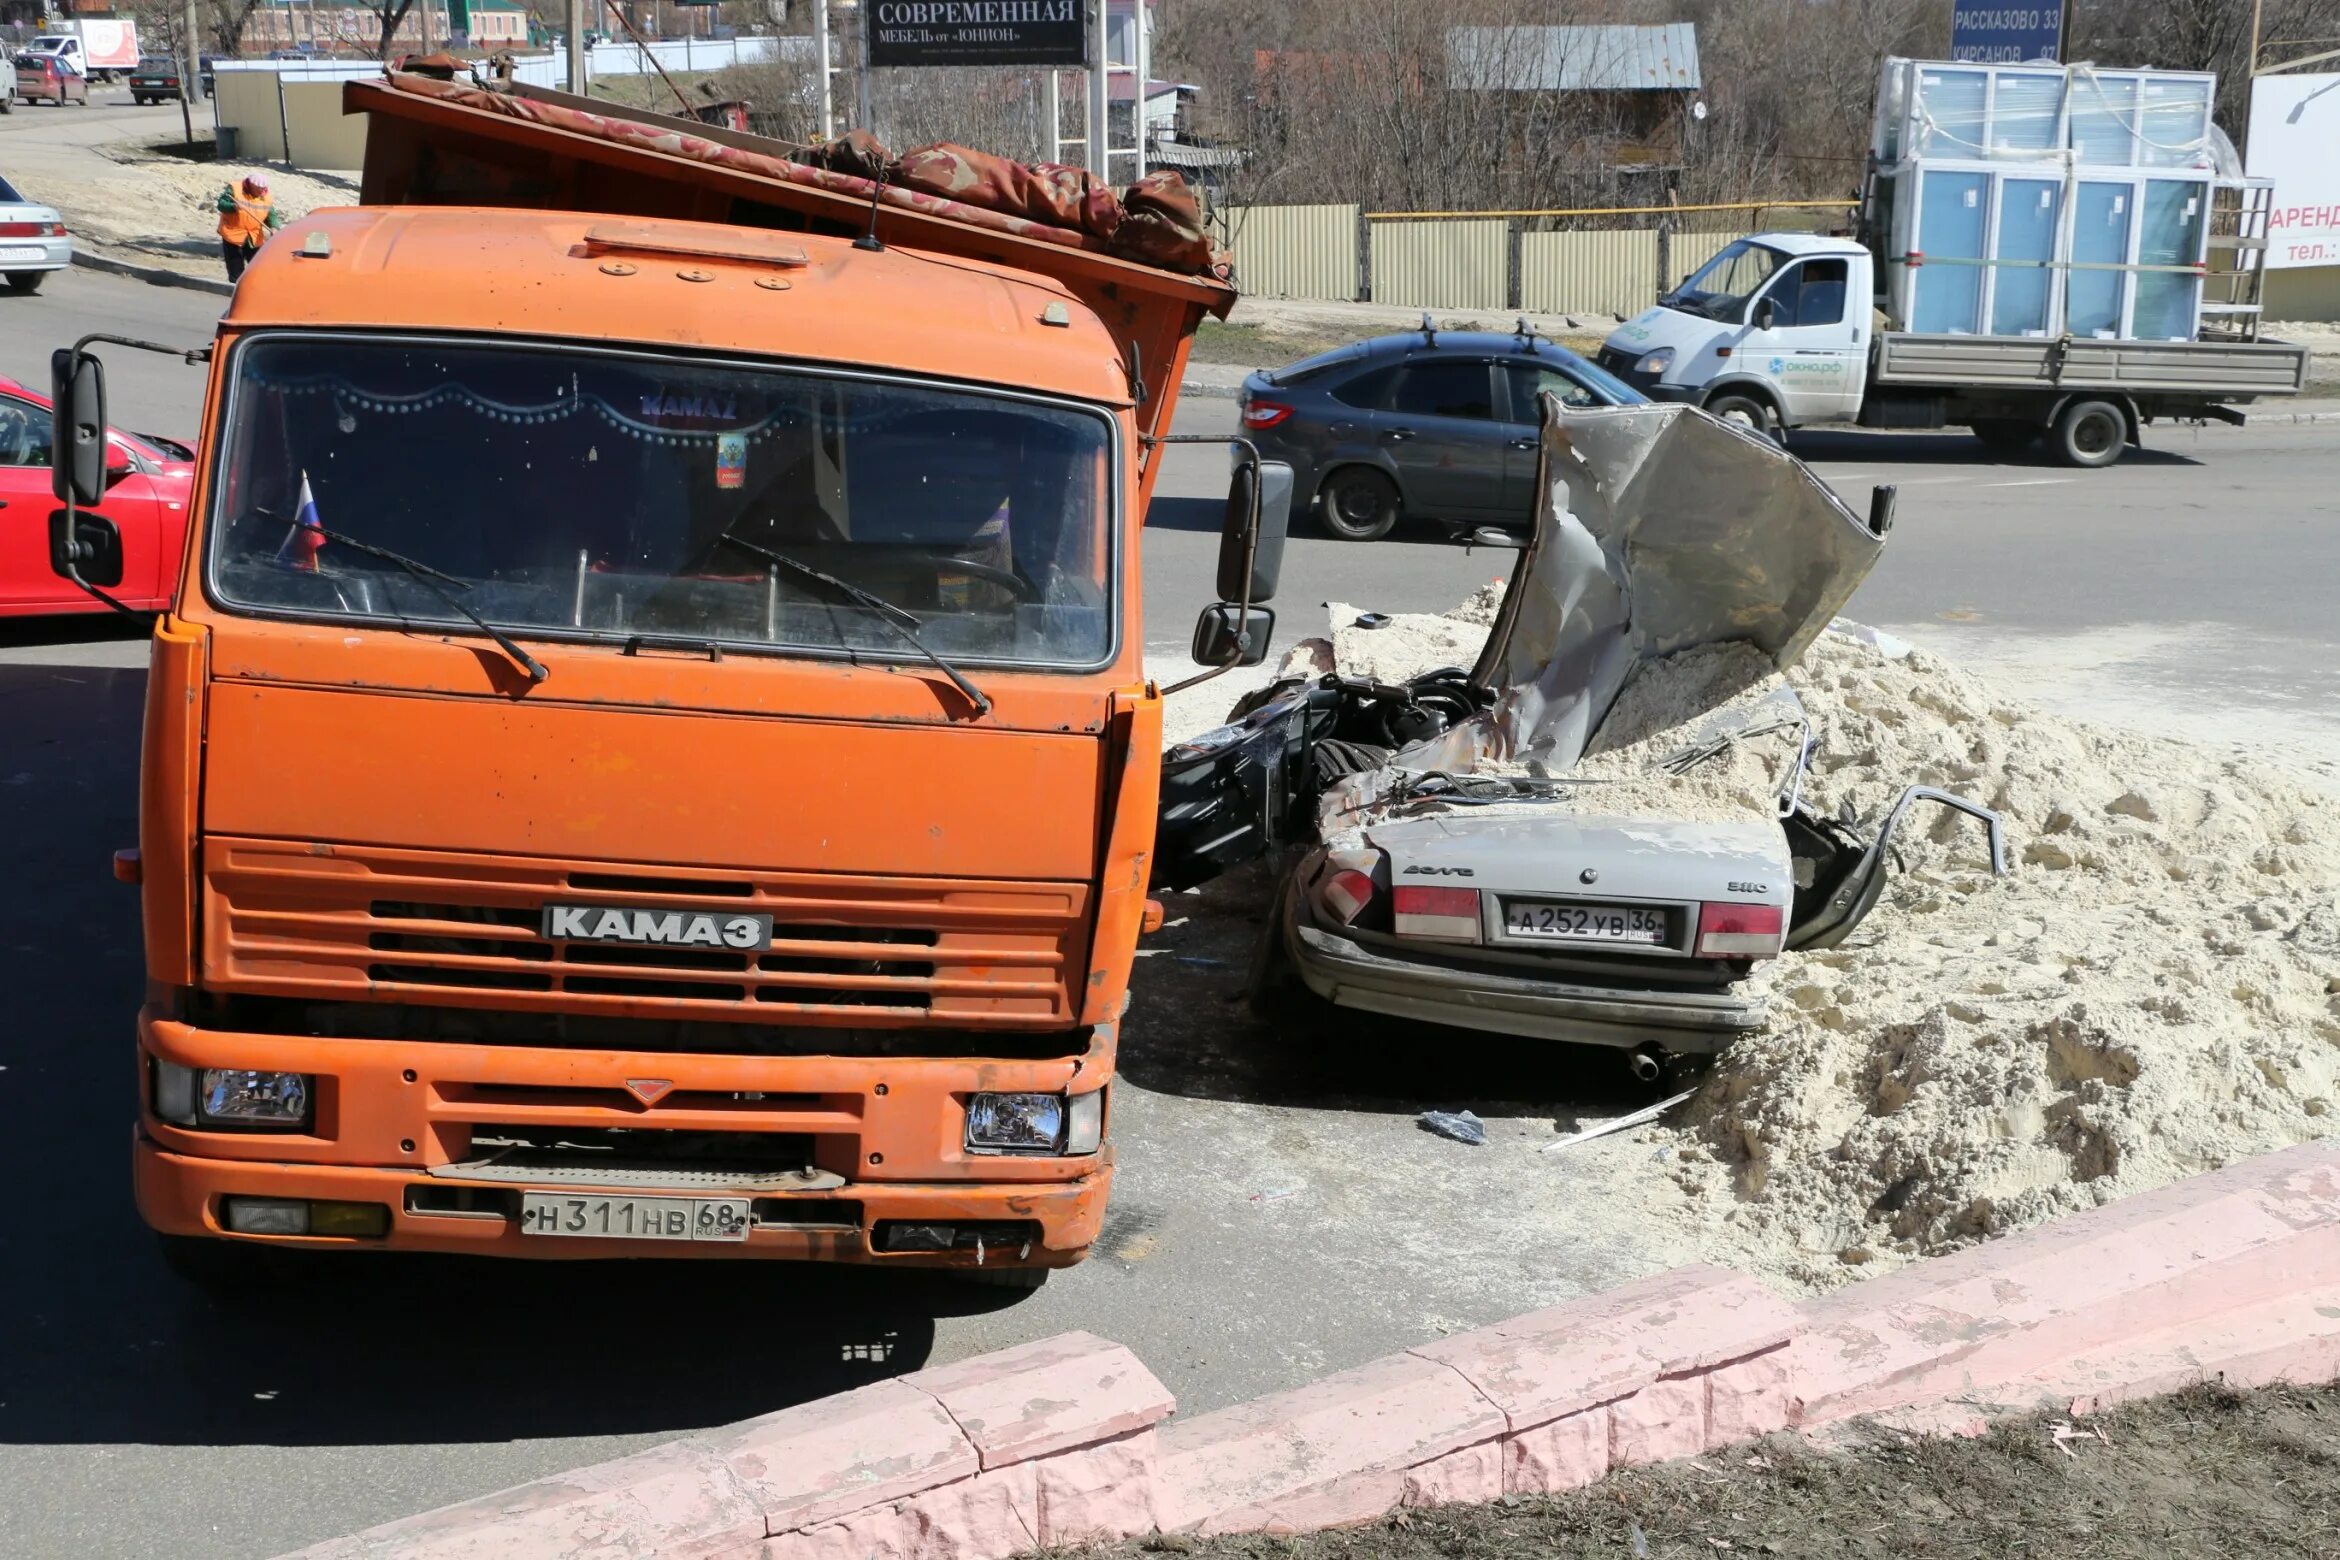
[(23, 229), (1264, 414), (1450, 914), (1738, 931)]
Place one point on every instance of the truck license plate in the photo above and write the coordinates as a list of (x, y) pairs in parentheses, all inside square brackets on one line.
[(594, 1217), (1545, 921)]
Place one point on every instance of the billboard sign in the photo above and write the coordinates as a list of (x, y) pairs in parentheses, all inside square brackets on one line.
[(1988, 32), (2295, 124), (977, 32)]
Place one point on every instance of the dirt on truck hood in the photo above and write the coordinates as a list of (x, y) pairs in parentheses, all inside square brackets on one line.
[(1662, 531)]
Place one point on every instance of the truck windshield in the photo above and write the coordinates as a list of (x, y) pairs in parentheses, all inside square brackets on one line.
[(566, 493), (1724, 284)]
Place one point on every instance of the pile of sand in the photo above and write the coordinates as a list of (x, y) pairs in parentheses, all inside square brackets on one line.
[(2153, 992)]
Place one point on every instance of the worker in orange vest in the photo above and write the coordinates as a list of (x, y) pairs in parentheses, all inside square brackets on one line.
[(246, 218)]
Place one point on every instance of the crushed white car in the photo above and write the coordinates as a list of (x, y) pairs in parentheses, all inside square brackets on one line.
[(1606, 833)]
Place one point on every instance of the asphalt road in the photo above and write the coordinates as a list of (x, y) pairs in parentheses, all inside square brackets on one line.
[(1277, 1213)]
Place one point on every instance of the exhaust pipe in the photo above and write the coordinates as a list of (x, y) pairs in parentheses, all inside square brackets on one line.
[(1647, 1062)]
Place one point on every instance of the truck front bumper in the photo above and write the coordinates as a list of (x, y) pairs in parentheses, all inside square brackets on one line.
[(1346, 973), (864, 1143)]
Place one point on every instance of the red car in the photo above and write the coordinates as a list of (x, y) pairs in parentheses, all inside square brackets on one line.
[(44, 78), (146, 498)]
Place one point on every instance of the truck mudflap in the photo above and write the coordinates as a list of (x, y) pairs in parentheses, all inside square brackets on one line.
[(1348, 974)]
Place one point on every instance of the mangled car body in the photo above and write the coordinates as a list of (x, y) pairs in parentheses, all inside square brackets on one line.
[(1600, 831)]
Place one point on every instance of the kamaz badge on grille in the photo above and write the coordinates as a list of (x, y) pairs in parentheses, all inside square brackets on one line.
[(664, 928)]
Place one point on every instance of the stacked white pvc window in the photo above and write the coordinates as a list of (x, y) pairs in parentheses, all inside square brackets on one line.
[(2036, 200)]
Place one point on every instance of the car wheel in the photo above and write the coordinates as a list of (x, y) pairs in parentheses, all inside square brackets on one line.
[(1744, 411), (2090, 433), (1359, 504), (2006, 436), (26, 281)]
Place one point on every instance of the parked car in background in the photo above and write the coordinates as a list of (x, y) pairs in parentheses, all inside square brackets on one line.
[(209, 82), (33, 240), (48, 78), (1436, 424), (8, 84), (155, 80), (148, 479)]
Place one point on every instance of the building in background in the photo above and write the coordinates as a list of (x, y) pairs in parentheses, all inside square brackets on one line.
[(1629, 91)]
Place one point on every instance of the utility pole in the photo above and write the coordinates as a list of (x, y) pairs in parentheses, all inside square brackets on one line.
[(864, 99), (1055, 117), (191, 72), (828, 130), (1093, 149), (578, 83), (2251, 61)]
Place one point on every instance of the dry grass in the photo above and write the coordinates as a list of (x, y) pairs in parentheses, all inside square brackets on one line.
[(2206, 1472)]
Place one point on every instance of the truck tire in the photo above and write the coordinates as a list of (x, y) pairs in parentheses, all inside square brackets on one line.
[(2090, 434), (1746, 412), (2006, 436), (1359, 504)]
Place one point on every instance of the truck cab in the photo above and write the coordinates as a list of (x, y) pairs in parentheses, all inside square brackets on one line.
[(1773, 331)]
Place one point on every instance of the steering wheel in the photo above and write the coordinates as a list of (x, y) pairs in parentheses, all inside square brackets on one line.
[(1006, 579)]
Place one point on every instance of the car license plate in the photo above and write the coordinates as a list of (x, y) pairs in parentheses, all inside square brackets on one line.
[(11, 254), (594, 1217), (1545, 921)]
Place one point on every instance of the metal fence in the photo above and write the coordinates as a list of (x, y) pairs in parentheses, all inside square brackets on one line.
[(1295, 251), (1491, 260), (1440, 265)]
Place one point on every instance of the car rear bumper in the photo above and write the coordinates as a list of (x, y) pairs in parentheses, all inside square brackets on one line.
[(1348, 974), (35, 254)]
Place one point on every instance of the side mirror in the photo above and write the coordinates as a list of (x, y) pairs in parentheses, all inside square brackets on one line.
[(1765, 314), (1259, 505), (85, 548), (77, 444), (1219, 642)]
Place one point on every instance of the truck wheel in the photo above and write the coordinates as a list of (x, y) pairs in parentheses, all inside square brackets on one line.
[(2090, 433), (1746, 412), (1359, 504), (2005, 436)]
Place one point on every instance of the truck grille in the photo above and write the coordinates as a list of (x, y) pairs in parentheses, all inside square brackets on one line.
[(424, 927)]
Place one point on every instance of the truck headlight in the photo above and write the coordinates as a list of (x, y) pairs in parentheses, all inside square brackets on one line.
[(1655, 362), (1015, 1123), (240, 1097)]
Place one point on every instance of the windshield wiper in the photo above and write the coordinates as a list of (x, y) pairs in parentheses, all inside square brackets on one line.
[(895, 618), (429, 578)]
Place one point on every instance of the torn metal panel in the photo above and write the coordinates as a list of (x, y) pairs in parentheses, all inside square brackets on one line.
[(1662, 529)]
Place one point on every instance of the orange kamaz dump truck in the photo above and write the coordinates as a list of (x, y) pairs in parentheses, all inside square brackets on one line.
[(650, 754)]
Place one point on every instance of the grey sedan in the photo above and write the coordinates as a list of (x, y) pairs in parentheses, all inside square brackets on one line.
[(33, 240), (1438, 424)]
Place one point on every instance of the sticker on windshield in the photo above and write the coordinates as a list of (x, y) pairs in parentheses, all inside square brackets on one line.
[(730, 460)]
